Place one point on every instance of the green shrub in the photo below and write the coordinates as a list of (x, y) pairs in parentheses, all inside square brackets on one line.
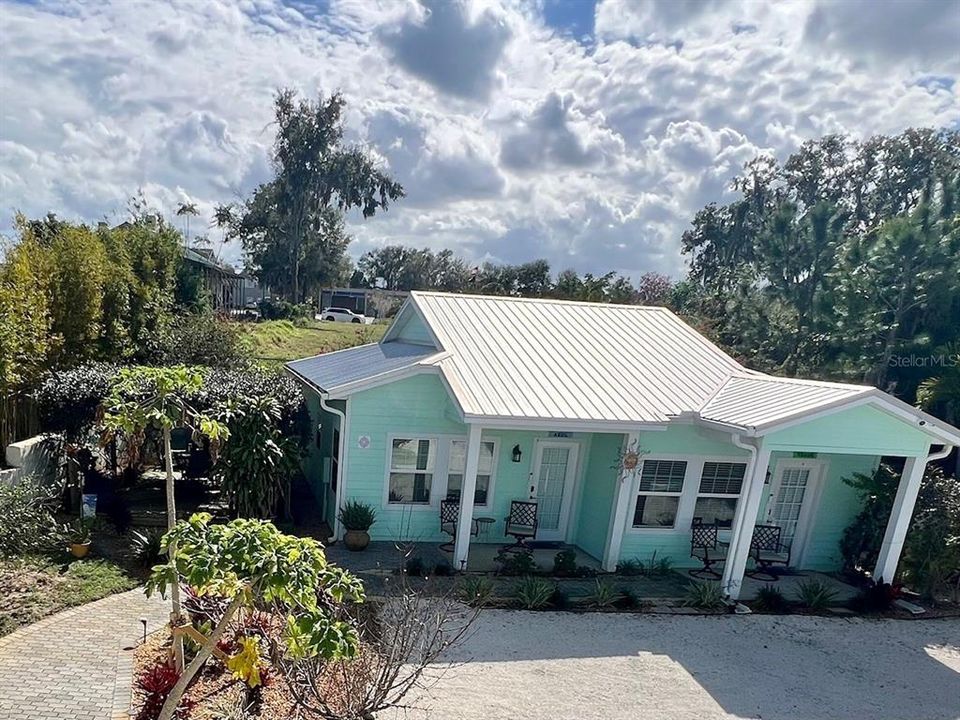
[(877, 597), (414, 567), (258, 461), (516, 563), (27, 523), (357, 515), (533, 593), (443, 569), (604, 595), (630, 567), (145, 546), (658, 567), (559, 598), (475, 590), (770, 598), (565, 563), (204, 339), (704, 595), (276, 309), (815, 594), (629, 598)]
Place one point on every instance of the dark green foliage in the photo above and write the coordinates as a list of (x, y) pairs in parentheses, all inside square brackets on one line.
[(358, 515), (117, 509), (204, 339), (68, 400), (414, 567), (876, 597), (516, 563), (145, 546), (277, 309), (770, 598), (931, 553), (292, 226), (533, 593), (257, 463), (860, 543), (565, 563), (27, 522), (443, 569), (815, 594), (630, 567), (559, 598), (604, 595), (704, 595), (629, 598), (475, 590), (658, 567)]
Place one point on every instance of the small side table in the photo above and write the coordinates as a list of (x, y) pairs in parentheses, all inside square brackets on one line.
[(484, 524)]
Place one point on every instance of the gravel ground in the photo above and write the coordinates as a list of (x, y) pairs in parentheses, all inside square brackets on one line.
[(558, 666)]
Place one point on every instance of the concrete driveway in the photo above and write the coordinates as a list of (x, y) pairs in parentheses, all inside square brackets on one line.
[(558, 666)]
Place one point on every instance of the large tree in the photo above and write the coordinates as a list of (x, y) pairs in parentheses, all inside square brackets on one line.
[(292, 227)]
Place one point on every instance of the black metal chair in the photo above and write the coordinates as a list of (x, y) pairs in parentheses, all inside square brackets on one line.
[(767, 550), (449, 519), (705, 546), (521, 524)]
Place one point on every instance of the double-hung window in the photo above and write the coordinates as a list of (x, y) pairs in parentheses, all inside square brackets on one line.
[(457, 466), (411, 470), (658, 498), (720, 485)]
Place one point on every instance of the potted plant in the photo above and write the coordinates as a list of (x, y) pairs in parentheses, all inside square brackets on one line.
[(357, 517), (78, 537)]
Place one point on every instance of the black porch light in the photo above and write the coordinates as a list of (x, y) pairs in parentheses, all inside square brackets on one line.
[(516, 453)]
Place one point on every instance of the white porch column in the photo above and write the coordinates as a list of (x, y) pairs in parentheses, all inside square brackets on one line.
[(468, 488), (744, 521), (621, 506), (899, 521)]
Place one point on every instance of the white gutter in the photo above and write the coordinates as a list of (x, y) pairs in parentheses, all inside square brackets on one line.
[(941, 454), (343, 435)]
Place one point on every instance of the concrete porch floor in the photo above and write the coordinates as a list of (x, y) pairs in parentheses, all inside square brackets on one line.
[(389, 556)]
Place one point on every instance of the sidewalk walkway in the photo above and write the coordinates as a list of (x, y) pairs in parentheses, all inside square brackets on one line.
[(65, 667)]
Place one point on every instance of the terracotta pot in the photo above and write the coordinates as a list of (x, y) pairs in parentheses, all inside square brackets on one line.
[(80, 550), (356, 540)]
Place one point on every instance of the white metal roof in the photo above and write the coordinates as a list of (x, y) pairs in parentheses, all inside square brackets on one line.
[(334, 372), (756, 400), (530, 361), (555, 360)]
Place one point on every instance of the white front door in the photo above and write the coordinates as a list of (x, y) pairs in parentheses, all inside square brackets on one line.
[(554, 476), (792, 499)]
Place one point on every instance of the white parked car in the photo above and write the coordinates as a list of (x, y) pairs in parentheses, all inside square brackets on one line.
[(337, 314)]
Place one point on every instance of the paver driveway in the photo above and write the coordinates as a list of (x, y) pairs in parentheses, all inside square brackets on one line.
[(540, 666), (65, 666)]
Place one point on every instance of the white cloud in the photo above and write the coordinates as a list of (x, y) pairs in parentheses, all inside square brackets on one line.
[(512, 140)]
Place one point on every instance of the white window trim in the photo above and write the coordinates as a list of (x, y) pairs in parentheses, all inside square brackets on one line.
[(388, 468), (493, 469), (722, 496), (638, 493), (688, 496)]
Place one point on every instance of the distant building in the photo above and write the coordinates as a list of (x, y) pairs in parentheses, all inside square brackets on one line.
[(224, 285), (372, 302)]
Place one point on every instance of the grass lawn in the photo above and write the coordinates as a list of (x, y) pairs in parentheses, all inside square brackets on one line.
[(35, 586), (282, 340)]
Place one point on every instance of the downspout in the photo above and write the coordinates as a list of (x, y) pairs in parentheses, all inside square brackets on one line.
[(343, 434), (752, 449), (941, 454)]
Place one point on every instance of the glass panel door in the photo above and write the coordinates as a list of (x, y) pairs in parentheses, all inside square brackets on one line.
[(554, 470), (787, 502)]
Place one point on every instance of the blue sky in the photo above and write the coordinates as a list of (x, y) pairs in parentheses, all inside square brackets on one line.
[(588, 133)]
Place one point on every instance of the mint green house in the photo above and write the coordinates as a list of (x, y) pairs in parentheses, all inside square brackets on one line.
[(622, 423)]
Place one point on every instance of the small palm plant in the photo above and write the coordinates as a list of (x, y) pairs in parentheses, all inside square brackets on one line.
[(533, 593), (475, 590), (604, 595), (704, 595), (815, 594)]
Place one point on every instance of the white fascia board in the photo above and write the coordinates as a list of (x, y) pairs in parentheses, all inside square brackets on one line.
[(502, 422), (411, 307)]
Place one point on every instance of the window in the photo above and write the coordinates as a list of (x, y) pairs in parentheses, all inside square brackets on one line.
[(411, 470), (458, 463), (661, 483), (720, 485)]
